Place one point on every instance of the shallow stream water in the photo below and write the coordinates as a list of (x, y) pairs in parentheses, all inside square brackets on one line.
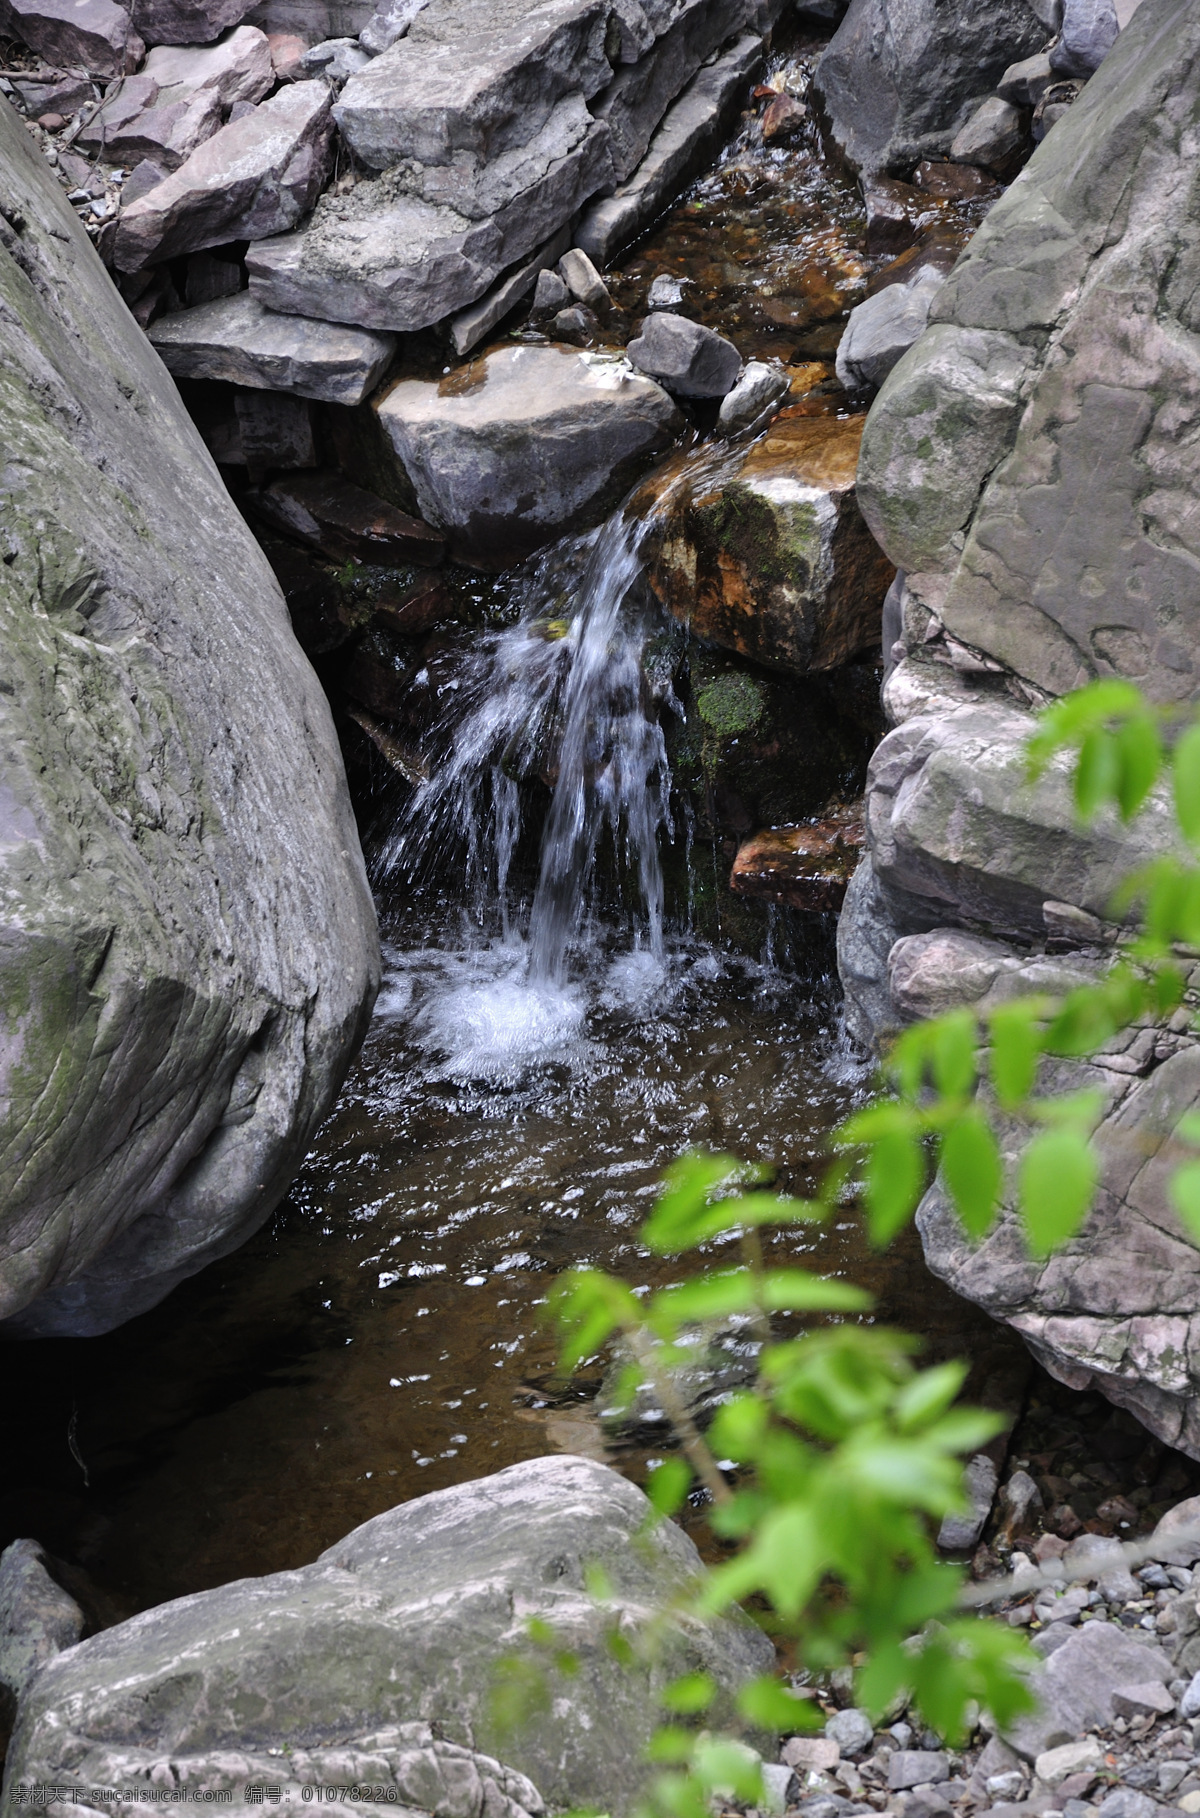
[(540, 1052)]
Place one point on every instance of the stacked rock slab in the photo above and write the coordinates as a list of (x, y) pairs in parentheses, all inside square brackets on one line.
[(1032, 465), (489, 134), (187, 946), (336, 1673)]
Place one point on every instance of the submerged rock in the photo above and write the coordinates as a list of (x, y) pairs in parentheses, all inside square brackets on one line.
[(189, 953), (209, 1691), (881, 330), (767, 553), (523, 445), (809, 866)]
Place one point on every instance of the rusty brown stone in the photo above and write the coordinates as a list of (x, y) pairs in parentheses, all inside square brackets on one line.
[(808, 866), (770, 557)]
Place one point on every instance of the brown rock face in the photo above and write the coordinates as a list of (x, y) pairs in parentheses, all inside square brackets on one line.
[(767, 553), (808, 866)]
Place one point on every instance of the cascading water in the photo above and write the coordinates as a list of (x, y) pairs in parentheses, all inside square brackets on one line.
[(562, 696)]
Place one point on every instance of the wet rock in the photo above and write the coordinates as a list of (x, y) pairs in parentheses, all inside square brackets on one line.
[(583, 280), (134, 125), (690, 132), (202, 991), (808, 866), (236, 340), (895, 87), (992, 136), (688, 359), (316, 1649), (343, 520), (717, 1355), (896, 214), (1024, 83), (955, 182), (769, 556), (255, 177), (95, 35), (783, 118), (757, 392), (577, 326), (187, 21), (880, 331), (523, 445), (37, 1618), (1054, 102), (852, 1730), (1089, 31)]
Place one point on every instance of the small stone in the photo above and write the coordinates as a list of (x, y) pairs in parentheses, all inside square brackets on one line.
[(1176, 1539), (391, 23), (896, 213), (1005, 1786), (1171, 1775), (337, 59), (916, 1767), (1024, 83), (953, 182), (1147, 1700), (811, 1754), (687, 358), (1063, 1520), (783, 118), (1056, 101), (576, 325), (923, 1802), (1127, 1802), (1019, 1497), (991, 137), (1054, 1766), (1049, 1546), (1189, 1802), (37, 1617), (287, 53), (1117, 1586), (879, 332), (759, 387), (852, 1730), (1189, 1704), (550, 294), (583, 280), (902, 1733), (780, 1788), (666, 291), (141, 180)]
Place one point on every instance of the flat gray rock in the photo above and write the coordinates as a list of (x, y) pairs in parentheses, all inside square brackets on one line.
[(473, 325), (199, 965), (237, 340), (688, 359), (994, 132), (690, 131), (133, 125), (255, 177), (402, 1623), (238, 68), (96, 35), (896, 83), (386, 257), (1074, 1689), (525, 445)]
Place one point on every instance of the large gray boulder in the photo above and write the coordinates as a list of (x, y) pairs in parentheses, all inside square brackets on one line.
[(534, 442), (38, 1619), (318, 1674), (1031, 450), (187, 947), (899, 77)]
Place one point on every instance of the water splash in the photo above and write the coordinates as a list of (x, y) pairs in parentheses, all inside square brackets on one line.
[(561, 696)]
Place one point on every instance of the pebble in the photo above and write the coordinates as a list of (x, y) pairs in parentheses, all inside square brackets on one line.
[(852, 1730), (1189, 1704)]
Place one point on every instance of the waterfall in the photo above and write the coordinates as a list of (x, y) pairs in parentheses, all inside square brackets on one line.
[(561, 695)]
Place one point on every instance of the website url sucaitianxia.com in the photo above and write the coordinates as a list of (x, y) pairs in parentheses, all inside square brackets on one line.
[(39, 1794)]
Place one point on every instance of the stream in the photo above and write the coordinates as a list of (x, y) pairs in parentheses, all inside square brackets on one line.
[(557, 1023)]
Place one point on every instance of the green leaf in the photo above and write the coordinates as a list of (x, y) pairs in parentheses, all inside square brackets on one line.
[(895, 1179), (770, 1706), (928, 1395), (1057, 1182), (1139, 760), (683, 1216), (1097, 772), (796, 1291), (971, 1167), (954, 1041), (1016, 1047), (670, 1743), (704, 1297), (1186, 780), (1185, 1197), (667, 1487), (691, 1693), (729, 1767), (1067, 721)]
